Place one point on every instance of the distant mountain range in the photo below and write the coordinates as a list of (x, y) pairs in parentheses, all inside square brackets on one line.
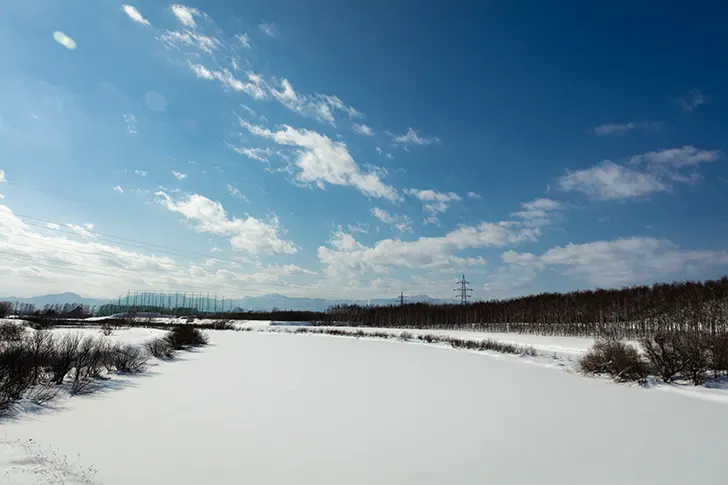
[(265, 302)]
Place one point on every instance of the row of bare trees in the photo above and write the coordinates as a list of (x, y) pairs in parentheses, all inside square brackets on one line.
[(695, 307)]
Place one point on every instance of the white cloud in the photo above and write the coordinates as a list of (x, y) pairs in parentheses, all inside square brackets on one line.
[(2, 176), (134, 14), (473, 195), (248, 234), (413, 138), (244, 40), (37, 262), (538, 212), (322, 161), (235, 192), (359, 227), (131, 123), (434, 203), (629, 261), (345, 256), (678, 157), (186, 15), (118, 188), (178, 175), (259, 154), (141, 173), (178, 39), (692, 101), (268, 29), (609, 181), (363, 129), (402, 223), (255, 85), (249, 110), (622, 128), (321, 107), (82, 230), (515, 275), (53, 225)]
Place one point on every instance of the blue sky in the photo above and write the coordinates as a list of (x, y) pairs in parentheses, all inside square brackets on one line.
[(356, 150)]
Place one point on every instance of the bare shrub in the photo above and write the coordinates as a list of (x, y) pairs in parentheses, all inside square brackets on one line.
[(184, 337), (160, 348), (618, 359), (11, 332), (664, 353), (301, 330), (89, 363), (16, 372), (429, 338), (41, 345), (405, 336), (106, 330), (128, 359), (63, 357), (221, 325)]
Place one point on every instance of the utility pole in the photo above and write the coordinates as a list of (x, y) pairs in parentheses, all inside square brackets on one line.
[(463, 290)]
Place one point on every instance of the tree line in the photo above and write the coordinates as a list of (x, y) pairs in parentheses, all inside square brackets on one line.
[(617, 313)]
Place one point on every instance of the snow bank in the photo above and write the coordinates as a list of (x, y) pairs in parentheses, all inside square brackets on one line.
[(278, 409)]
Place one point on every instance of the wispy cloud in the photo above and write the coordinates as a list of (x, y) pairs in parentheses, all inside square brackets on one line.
[(434, 203), (179, 175), (232, 190), (268, 29), (413, 138), (248, 234), (363, 129), (538, 212), (131, 123), (186, 15), (254, 85), (321, 107), (609, 181), (259, 154), (623, 128), (473, 195), (134, 14), (141, 173), (402, 223), (322, 161), (118, 188), (244, 40), (180, 39), (692, 100), (678, 157), (83, 230)]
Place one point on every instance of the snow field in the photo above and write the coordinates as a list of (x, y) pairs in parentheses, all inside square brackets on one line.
[(275, 408)]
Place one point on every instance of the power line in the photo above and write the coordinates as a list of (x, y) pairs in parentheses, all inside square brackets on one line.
[(463, 289)]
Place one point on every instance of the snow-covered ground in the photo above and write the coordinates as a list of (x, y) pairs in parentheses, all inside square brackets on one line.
[(134, 336), (257, 407)]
